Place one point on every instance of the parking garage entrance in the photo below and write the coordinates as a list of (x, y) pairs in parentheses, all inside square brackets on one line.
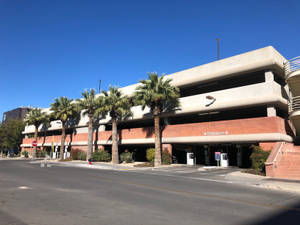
[(238, 154)]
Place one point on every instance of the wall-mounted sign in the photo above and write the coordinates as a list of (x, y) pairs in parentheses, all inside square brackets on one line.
[(210, 133), (217, 156)]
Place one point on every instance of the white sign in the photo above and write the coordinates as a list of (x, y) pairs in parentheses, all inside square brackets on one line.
[(210, 133)]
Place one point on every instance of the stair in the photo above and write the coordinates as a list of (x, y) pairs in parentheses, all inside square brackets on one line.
[(286, 162)]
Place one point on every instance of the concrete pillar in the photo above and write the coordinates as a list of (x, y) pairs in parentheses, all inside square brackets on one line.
[(269, 76), (101, 128), (271, 111), (207, 155), (239, 155)]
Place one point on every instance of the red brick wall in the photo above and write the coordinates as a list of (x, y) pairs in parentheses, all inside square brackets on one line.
[(267, 146), (231, 127), (287, 164)]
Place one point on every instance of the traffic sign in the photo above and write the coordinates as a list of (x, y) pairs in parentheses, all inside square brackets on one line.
[(34, 143), (217, 156)]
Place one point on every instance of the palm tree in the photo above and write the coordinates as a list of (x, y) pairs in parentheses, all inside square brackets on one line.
[(160, 96), (89, 104), (64, 110), (36, 117), (118, 107)]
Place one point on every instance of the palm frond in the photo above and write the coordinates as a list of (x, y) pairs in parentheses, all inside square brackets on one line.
[(157, 92)]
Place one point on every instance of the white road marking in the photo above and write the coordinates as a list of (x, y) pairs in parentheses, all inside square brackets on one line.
[(192, 178), (24, 188)]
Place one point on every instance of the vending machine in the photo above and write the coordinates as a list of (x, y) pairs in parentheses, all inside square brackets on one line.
[(224, 160)]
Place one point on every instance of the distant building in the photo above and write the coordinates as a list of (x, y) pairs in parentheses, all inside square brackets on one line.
[(18, 113)]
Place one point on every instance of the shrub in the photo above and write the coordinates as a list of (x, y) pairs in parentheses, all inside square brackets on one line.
[(25, 153), (258, 158), (166, 157), (126, 157), (150, 154), (66, 160), (101, 156), (41, 153), (78, 154)]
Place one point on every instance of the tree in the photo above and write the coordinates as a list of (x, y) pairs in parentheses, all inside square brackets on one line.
[(36, 118), (160, 96), (11, 135), (118, 107), (89, 104), (64, 110)]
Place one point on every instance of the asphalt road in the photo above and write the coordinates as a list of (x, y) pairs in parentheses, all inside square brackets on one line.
[(33, 195)]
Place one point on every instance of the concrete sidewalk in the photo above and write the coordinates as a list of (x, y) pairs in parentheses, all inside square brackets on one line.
[(102, 165), (264, 182), (83, 164)]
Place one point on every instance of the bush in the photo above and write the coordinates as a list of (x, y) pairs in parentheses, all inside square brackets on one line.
[(101, 156), (126, 157), (166, 157), (41, 153), (78, 154), (26, 154), (150, 154), (258, 158)]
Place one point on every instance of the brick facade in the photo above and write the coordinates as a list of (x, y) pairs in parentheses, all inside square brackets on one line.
[(228, 127)]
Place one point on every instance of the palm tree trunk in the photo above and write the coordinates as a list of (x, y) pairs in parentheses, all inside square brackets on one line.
[(90, 139), (63, 138), (157, 159), (114, 147), (35, 139)]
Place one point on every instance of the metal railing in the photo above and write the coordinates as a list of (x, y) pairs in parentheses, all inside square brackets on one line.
[(292, 65), (275, 162), (294, 103)]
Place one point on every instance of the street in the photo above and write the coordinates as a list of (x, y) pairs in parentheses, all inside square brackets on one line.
[(30, 194)]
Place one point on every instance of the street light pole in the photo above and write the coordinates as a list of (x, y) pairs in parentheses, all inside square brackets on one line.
[(218, 47)]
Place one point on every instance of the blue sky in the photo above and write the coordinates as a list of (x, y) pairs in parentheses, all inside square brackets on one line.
[(52, 48)]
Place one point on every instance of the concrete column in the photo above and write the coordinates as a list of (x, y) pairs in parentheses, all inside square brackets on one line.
[(207, 155), (271, 111), (102, 128), (269, 76), (239, 155)]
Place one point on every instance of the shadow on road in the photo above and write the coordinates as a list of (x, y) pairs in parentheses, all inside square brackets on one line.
[(285, 215)]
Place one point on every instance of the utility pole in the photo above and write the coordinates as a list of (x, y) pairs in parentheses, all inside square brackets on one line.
[(218, 46), (99, 86)]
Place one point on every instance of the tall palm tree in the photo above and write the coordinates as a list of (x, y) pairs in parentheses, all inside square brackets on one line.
[(36, 117), (89, 104), (64, 110), (118, 106), (160, 96)]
